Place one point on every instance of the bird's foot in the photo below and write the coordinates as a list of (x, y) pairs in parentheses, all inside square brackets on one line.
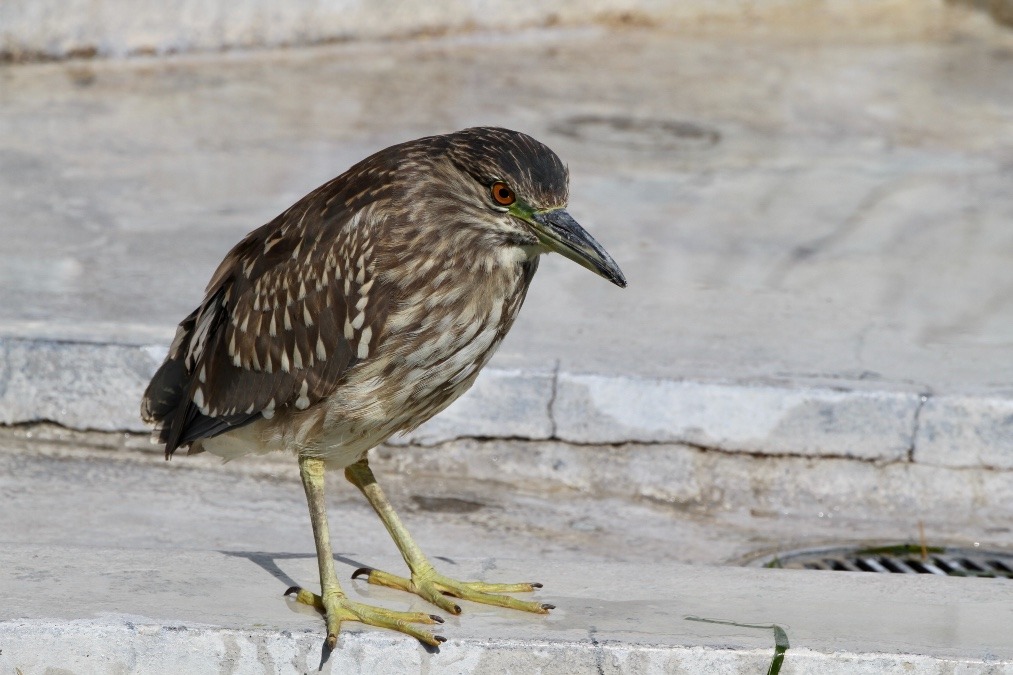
[(439, 590), (338, 608)]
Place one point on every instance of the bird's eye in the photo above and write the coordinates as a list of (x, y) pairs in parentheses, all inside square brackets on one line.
[(502, 193)]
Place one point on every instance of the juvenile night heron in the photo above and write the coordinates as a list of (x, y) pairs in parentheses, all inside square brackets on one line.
[(362, 311)]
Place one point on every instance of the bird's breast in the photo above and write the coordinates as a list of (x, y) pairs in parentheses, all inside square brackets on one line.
[(437, 339), (434, 341)]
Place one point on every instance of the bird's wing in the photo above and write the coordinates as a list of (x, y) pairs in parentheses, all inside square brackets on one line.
[(291, 308)]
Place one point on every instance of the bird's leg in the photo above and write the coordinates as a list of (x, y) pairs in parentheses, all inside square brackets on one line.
[(425, 581), (332, 600)]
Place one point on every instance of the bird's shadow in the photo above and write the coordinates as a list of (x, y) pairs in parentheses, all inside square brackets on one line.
[(268, 562)]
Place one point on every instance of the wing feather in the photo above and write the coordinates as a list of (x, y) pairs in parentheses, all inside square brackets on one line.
[(273, 331)]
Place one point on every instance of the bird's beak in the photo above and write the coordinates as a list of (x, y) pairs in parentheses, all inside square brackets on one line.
[(561, 233)]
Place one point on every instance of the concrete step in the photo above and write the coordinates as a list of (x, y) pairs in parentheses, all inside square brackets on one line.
[(84, 609), (84, 386)]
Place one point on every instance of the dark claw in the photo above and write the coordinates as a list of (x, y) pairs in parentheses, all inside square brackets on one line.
[(437, 618), (547, 606), (439, 638), (535, 584), (361, 570), (293, 590)]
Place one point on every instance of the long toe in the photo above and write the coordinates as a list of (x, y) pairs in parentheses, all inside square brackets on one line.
[(418, 586), (439, 590), (402, 622), (338, 609)]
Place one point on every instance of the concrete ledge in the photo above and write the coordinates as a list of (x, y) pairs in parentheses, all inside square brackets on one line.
[(99, 386), (86, 609), (811, 421), (966, 431), (78, 385)]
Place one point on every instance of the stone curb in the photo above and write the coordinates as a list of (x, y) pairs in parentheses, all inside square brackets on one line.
[(98, 387), (84, 609), (94, 646)]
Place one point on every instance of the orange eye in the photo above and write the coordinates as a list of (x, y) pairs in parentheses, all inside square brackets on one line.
[(502, 193)]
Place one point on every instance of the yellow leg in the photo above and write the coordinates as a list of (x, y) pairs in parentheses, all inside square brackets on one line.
[(332, 600), (425, 581)]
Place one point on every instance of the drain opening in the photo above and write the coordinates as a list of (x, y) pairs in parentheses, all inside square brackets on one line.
[(904, 559)]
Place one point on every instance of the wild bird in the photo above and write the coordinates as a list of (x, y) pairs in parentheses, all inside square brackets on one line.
[(361, 311)]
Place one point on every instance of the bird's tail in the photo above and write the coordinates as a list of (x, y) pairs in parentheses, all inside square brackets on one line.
[(167, 392)]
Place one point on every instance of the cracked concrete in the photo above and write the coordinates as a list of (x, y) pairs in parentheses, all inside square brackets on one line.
[(916, 426)]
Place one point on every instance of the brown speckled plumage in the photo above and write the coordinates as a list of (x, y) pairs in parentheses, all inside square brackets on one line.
[(364, 309)]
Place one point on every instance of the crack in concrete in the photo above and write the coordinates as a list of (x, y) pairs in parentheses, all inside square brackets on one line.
[(52, 433), (916, 426), (5, 367), (599, 655), (551, 408), (756, 454)]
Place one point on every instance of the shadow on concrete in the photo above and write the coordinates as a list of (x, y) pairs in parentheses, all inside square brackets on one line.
[(268, 561)]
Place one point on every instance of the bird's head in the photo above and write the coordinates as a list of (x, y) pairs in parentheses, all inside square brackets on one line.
[(519, 186)]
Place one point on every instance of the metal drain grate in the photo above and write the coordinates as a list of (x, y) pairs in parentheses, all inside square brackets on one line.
[(954, 562)]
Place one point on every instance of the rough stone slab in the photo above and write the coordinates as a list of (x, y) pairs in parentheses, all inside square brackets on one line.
[(99, 386), (129, 647), (966, 431), (85, 385), (92, 386), (763, 419), (209, 611), (80, 385)]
